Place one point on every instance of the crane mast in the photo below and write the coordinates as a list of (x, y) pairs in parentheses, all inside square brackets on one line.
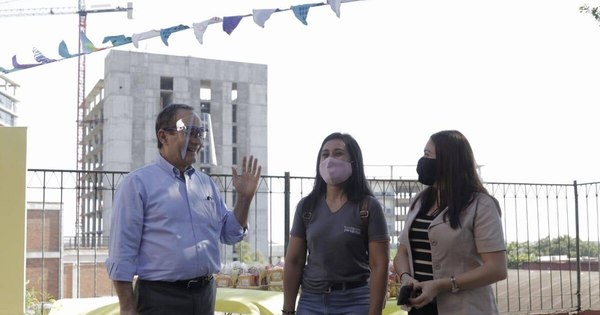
[(81, 106)]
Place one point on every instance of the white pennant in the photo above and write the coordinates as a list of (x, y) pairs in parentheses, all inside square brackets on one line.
[(200, 28), (260, 16), (136, 38), (335, 6)]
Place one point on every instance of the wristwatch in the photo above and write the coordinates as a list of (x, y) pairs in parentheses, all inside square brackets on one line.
[(455, 287)]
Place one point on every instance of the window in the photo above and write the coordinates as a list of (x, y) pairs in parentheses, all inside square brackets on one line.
[(234, 134), (234, 92), (205, 92), (234, 108), (234, 156), (166, 83), (166, 91)]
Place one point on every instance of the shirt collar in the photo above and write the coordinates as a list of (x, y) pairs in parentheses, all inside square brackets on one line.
[(169, 168)]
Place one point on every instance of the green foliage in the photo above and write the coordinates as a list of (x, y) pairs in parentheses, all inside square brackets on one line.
[(245, 255), (519, 253), (34, 301), (593, 11), (393, 251)]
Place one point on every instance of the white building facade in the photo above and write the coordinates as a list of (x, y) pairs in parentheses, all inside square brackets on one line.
[(8, 102)]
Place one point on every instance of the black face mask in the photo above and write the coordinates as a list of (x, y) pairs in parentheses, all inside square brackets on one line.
[(426, 170)]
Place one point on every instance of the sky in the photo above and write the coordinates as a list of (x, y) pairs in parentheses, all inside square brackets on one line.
[(518, 78)]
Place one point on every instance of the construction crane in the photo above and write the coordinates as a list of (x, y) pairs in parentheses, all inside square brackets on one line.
[(82, 12), (81, 104)]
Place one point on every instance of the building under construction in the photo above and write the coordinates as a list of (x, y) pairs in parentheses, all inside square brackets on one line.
[(120, 112)]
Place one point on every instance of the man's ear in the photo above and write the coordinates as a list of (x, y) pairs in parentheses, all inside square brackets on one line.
[(162, 136)]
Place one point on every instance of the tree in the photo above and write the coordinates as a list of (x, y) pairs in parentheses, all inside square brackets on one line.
[(519, 253), (593, 11)]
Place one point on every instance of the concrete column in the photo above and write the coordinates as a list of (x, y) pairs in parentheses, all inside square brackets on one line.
[(13, 170)]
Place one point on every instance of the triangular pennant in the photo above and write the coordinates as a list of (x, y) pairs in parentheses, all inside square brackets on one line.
[(63, 51), (136, 38), (117, 40), (231, 22), (39, 57), (22, 66), (200, 28), (301, 12), (166, 32), (260, 16), (335, 6), (86, 45)]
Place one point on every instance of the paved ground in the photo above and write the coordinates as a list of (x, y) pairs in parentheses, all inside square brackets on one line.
[(545, 291)]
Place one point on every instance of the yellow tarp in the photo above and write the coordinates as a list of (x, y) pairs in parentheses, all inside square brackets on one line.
[(229, 300)]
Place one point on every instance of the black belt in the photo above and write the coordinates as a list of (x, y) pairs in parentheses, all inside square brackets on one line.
[(188, 284), (337, 286)]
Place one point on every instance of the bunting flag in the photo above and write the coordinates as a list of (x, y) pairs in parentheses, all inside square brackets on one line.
[(335, 6), (261, 16), (117, 40), (22, 66), (86, 44), (200, 28), (39, 57), (166, 32), (136, 38), (230, 23), (301, 11), (64, 52)]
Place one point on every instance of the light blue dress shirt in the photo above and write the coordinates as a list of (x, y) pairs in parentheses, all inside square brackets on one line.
[(166, 228)]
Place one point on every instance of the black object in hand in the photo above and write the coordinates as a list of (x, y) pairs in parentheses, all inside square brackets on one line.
[(406, 292)]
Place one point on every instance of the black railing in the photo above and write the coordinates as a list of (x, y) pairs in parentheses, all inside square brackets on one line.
[(551, 232)]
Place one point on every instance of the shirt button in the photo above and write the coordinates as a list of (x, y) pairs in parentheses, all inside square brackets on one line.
[(437, 267), (433, 243)]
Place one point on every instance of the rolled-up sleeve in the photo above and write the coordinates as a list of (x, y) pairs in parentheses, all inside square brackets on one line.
[(127, 220), (232, 231)]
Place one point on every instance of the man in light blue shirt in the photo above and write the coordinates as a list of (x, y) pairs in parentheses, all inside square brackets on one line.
[(167, 222)]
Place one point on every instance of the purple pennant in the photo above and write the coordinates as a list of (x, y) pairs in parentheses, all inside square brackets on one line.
[(231, 22), (23, 66)]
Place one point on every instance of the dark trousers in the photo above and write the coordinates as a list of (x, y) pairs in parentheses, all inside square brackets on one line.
[(160, 298)]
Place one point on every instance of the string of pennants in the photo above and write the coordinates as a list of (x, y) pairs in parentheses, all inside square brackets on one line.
[(229, 24)]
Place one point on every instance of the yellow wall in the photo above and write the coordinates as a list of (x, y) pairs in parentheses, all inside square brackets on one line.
[(13, 148)]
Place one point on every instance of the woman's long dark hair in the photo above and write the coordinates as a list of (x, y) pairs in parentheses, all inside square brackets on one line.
[(456, 176), (356, 187)]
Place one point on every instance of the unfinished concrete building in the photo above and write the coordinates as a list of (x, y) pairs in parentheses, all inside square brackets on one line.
[(120, 115)]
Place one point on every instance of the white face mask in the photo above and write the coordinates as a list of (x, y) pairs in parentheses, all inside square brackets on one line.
[(335, 171)]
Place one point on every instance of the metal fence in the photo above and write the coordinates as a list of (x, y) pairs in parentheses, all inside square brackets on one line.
[(551, 232)]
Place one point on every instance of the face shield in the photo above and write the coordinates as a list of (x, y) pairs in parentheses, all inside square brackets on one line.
[(208, 154), (198, 136)]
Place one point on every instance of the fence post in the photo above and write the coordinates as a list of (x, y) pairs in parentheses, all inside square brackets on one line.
[(577, 258), (286, 224)]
